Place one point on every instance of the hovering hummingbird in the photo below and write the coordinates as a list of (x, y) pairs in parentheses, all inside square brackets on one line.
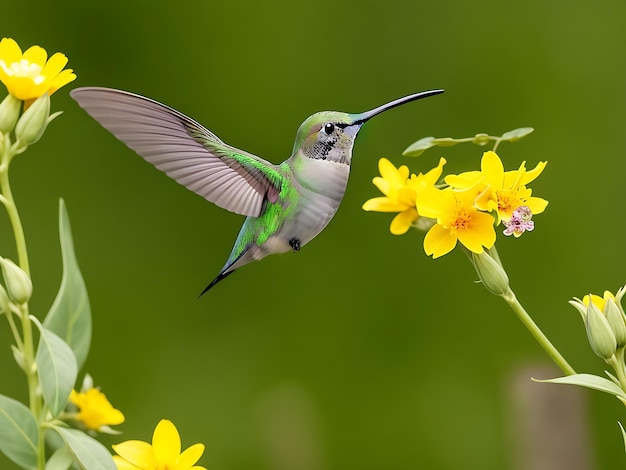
[(286, 205)]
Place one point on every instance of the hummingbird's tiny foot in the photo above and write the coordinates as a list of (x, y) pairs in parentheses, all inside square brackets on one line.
[(294, 243)]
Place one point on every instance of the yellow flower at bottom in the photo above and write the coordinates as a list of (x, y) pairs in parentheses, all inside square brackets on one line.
[(163, 454), (31, 74), (95, 409), (457, 220)]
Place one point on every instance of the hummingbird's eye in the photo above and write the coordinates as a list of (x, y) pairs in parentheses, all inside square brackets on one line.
[(329, 127)]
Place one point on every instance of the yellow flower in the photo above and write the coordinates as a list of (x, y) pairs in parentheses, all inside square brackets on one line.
[(498, 190), (29, 75), (400, 193), (457, 220), (95, 409), (163, 454), (597, 300)]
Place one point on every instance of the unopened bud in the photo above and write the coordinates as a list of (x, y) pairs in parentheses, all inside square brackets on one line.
[(601, 337), (32, 124), (18, 284), (616, 321), (491, 274), (4, 301), (10, 108)]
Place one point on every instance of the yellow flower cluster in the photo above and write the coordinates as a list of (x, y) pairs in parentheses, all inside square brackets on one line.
[(465, 209)]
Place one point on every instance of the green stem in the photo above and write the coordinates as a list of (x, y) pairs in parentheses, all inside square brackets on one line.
[(15, 331), (544, 342), (27, 343), (14, 216), (617, 362)]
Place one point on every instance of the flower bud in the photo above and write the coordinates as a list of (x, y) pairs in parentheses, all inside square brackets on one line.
[(491, 273), (10, 108), (601, 337), (4, 301), (481, 139), (616, 321), (18, 284), (32, 124)]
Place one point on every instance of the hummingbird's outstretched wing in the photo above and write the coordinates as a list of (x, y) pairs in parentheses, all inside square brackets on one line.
[(184, 149)]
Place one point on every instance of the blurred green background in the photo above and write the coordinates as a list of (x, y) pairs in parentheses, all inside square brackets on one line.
[(358, 351)]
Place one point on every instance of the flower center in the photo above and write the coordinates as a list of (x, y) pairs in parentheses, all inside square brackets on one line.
[(461, 220), (507, 202), (24, 68)]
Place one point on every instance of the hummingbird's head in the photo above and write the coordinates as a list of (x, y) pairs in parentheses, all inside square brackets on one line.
[(329, 135)]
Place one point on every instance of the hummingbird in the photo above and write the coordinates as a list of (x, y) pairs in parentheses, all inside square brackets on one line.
[(285, 205)]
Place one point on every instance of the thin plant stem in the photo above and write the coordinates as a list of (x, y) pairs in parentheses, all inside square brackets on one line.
[(617, 362), (26, 345), (510, 298)]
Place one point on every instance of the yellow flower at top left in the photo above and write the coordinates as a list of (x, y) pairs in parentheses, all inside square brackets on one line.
[(29, 75)]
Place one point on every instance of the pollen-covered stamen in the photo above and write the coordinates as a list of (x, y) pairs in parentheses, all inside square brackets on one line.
[(461, 221), (519, 222)]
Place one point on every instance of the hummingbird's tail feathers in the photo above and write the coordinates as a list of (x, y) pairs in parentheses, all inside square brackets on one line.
[(184, 149), (220, 276), (245, 257)]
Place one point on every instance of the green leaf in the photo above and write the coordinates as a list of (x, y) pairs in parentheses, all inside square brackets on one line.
[(62, 459), (589, 381), (87, 451), (419, 147), (517, 134), (56, 367), (70, 314), (623, 434), (18, 433)]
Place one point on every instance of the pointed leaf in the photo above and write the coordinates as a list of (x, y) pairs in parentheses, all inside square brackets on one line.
[(623, 433), (517, 134), (589, 381), (18, 433), (56, 367), (87, 451), (419, 147), (62, 459), (70, 314)]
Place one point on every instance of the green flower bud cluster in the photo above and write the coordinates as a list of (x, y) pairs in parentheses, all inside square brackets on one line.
[(28, 126), (605, 323)]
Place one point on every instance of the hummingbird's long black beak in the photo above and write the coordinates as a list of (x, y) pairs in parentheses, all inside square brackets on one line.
[(361, 118)]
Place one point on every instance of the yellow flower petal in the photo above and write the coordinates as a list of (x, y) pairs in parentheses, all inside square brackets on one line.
[(191, 455), (54, 66), (532, 174), (492, 168), (396, 176), (36, 55), (402, 222), (62, 79), (439, 241), (137, 453), (536, 204), (382, 204), (122, 464), (479, 233), (166, 442), (10, 51)]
